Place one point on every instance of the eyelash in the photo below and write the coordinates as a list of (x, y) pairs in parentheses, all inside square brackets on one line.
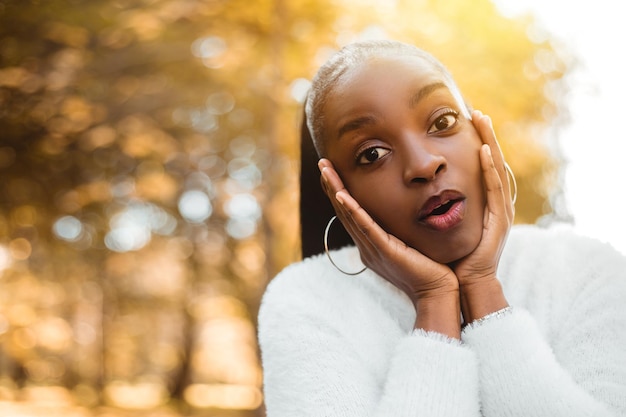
[(440, 115), (437, 117), (361, 155)]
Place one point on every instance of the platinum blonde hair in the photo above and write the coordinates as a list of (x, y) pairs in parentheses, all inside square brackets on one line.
[(351, 56)]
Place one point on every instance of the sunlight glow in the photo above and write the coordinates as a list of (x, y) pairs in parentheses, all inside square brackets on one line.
[(225, 396), (5, 258), (132, 228)]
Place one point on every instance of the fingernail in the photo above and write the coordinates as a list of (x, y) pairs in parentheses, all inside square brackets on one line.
[(321, 164), (324, 173), (489, 121), (488, 149), (339, 198)]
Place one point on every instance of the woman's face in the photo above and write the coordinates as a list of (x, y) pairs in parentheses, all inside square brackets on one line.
[(406, 151)]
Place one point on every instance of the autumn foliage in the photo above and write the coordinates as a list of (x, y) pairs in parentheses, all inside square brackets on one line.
[(149, 167)]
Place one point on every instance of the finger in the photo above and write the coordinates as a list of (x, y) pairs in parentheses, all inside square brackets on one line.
[(332, 184), (484, 127), (334, 187), (367, 251), (382, 244), (332, 181), (496, 200), (373, 241), (364, 223)]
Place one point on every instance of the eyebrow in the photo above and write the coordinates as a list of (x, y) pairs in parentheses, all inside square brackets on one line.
[(425, 92), (359, 122), (356, 124)]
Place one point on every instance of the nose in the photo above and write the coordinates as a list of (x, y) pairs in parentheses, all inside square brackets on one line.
[(422, 164)]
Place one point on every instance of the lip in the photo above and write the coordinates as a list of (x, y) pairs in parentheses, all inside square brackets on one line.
[(450, 218)]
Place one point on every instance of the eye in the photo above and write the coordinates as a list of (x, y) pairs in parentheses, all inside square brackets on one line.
[(444, 121), (371, 155)]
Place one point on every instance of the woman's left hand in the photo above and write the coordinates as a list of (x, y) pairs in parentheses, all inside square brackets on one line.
[(477, 271)]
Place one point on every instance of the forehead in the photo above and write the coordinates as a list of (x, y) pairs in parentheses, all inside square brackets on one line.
[(380, 84), (380, 73)]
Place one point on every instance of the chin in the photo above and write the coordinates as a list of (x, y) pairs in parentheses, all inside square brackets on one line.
[(448, 254), (448, 257)]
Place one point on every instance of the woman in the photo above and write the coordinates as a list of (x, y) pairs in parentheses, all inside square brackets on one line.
[(444, 320)]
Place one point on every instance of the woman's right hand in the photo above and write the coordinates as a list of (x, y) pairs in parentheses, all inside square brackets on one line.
[(432, 287)]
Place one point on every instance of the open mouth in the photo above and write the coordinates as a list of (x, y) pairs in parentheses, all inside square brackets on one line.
[(444, 211), (438, 207)]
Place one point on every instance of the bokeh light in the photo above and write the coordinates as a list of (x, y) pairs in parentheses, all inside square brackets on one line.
[(5, 258), (195, 206), (68, 228), (149, 162)]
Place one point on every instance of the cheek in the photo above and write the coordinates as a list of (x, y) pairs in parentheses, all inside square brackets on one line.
[(467, 157), (364, 192), (381, 197)]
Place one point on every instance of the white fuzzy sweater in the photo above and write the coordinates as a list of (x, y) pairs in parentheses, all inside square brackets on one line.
[(344, 346)]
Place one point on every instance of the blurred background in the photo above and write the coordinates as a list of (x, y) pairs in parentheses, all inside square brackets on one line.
[(590, 144), (148, 178)]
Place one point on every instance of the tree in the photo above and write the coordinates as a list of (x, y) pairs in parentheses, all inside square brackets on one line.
[(148, 158)]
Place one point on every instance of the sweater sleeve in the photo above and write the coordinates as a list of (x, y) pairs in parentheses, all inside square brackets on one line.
[(567, 358), (314, 366)]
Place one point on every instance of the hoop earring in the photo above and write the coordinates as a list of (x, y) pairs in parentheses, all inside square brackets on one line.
[(512, 177), (330, 222)]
